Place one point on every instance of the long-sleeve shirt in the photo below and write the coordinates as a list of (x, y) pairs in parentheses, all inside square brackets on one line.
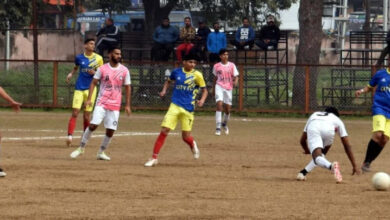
[(245, 34), (216, 41), (270, 33), (110, 31), (165, 35), (187, 34)]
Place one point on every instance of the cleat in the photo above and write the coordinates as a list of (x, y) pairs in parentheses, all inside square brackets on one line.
[(366, 167), (226, 129), (218, 132), (2, 173), (151, 162), (195, 151), (102, 156), (301, 177), (69, 141), (77, 152), (336, 172)]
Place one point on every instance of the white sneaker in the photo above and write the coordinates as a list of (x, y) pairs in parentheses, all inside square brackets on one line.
[(226, 129), (69, 141), (2, 173), (77, 152), (301, 177), (218, 132), (102, 156), (195, 151), (151, 162)]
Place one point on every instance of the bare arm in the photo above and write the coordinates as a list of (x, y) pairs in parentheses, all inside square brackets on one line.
[(364, 90), (304, 143), (15, 105), (348, 151), (91, 88), (165, 87), (235, 81), (69, 76), (203, 98), (128, 99)]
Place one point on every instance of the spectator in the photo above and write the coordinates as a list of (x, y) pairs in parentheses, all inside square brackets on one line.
[(384, 52), (164, 38), (245, 36), (201, 40), (187, 35), (215, 42), (269, 35), (108, 37)]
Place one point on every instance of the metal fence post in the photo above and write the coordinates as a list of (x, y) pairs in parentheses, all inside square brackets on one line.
[(241, 88), (55, 83), (307, 89)]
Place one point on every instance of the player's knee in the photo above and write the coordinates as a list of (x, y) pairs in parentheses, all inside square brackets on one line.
[(92, 127)]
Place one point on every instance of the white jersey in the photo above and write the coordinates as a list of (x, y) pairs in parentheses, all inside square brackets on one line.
[(321, 128)]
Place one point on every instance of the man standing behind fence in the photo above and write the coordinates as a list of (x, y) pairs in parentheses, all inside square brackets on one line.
[(164, 38), (215, 42), (88, 63)]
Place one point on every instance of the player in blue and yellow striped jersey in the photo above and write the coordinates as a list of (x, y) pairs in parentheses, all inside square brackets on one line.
[(381, 115), (187, 82), (88, 62)]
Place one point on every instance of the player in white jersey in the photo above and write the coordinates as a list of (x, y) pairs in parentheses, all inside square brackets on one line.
[(317, 138), (226, 76), (112, 76)]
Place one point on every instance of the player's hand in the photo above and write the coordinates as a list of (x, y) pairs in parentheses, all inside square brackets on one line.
[(356, 170), (358, 92), (88, 103), (162, 93), (16, 106), (200, 103), (128, 110), (91, 71), (68, 77)]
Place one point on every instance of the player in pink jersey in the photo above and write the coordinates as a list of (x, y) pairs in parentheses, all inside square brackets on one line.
[(112, 76), (226, 76)]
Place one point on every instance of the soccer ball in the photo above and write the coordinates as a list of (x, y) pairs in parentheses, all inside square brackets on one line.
[(381, 181)]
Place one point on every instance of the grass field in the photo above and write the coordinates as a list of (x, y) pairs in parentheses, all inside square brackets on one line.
[(249, 174)]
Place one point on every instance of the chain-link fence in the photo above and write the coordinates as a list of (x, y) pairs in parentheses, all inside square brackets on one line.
[(271, 88)]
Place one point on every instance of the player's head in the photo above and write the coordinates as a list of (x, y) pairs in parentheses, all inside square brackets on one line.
[(270, 20), (224, 55), (333, 110), (187, 21), (165, 22), (190, 60), (115, 55), (245, 22), (89, 44)]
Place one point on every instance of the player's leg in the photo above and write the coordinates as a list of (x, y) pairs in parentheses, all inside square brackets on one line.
[(310, 166), (378, 140), (187, 120), (88, 109), (219, 108), (76, 106), (227, 100), (111, 120)]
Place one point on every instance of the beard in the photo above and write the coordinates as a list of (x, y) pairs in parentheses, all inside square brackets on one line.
[(115, 60)]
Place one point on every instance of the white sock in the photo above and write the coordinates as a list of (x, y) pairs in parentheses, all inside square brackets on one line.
[(218, 118), (226, 118), (87, 134), (310, 166), (323, 162), (106, 141)]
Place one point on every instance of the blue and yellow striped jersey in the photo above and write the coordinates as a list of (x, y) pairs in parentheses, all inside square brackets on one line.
[(86, 63)]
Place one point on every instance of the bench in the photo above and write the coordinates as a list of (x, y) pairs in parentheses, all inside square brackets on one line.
[(372, 41)]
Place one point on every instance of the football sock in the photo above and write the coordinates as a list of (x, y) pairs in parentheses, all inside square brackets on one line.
[(304, 172), (106, 141), (159, 143), (310, 166), (71, 125), (323, 162), (190, 141), (218, 118), (86, 124), (373, 150), (226, 118), (87, 134)]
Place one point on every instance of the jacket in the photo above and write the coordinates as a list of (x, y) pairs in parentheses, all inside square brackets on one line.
[(216, 41), (245, 34), (165, 35)]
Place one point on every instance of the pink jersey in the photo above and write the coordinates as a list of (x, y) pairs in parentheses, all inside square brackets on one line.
[(225, 74), (111, 82)]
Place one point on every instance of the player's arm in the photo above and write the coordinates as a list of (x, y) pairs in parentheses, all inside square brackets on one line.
[(304, 143), (69, 76), (128, 99), (165, 87), (348, 151), (91, 88), (203, 98), (15, 105), (363, 90)]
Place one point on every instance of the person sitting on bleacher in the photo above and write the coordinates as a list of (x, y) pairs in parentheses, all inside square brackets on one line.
[(245, 36), (187, 35), (201, 40), (164, 38), (384, 52), (269, 35), (108, 37)]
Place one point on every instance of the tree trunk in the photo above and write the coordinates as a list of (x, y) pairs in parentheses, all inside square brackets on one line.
[(310, 37), (154, 13)]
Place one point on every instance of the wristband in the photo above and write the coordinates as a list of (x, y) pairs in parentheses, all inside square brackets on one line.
[(361, 90)]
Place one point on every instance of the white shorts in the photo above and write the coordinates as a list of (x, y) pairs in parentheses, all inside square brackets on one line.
[(110, 117), (319, 136), (223, 95)]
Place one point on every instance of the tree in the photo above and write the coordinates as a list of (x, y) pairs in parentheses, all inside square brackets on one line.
[(17, 12), (310, 37), (108, 6)]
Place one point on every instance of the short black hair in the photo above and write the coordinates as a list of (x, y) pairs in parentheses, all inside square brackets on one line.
[(113, 48), (187, 18), (110, 20), (245, 18), (222, 51), (191, 56), (166, 18), (88, 40), (333, 110)]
